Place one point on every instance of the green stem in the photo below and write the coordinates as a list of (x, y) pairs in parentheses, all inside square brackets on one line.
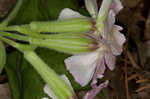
[(2, 56), (21, 47), (71, 25), (24, 29), (59, 87), (15, 36), (11, 15)]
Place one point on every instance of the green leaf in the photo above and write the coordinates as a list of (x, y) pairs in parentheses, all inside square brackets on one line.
[(41, 10), (25, 83), (2, 56)]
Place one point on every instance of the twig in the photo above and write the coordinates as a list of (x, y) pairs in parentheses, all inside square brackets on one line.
[(143, 88), (126, 82), (132, 60), (133, 76), (142, 81)]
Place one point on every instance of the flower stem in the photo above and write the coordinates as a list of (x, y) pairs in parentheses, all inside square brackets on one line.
[(2, 56), (21, 47), (24, 29), (11, 15), (59, 87), (15, 36)]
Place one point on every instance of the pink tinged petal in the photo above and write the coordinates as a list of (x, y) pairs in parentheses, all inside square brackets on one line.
[(82, 66), (108, 26), (119, 40), (100, 69), (92, 8), (116, 6), (91, 94), (110, 60), (110, 19), (67, 13), (112, 35)]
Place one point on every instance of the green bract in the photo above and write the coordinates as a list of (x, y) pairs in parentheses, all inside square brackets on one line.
[(2, 56)]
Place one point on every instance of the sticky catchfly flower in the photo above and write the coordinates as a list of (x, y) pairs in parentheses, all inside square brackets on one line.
[(91, 66)]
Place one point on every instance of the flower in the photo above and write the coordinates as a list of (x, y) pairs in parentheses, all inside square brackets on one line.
[(91, 66)]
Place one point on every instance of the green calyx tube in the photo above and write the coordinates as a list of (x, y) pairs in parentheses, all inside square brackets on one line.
[(71, 43), (61, 26)]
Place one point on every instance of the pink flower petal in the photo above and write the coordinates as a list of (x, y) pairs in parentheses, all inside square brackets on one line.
[(82, 66), (110, 60), (116, 6), (100, 69), (91, 94), (112, 35), (120, 38), (108, 26)]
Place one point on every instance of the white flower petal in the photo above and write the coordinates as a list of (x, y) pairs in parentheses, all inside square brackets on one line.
[(108, 26), (64, 77), (120, 38), (45, 98), (110, 19), (92, 8), (112, 35), (116, 6), (110, 60), (104, 8), (67, 13), (117, 41), (100, 69), (82, 66), (49, 91)]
